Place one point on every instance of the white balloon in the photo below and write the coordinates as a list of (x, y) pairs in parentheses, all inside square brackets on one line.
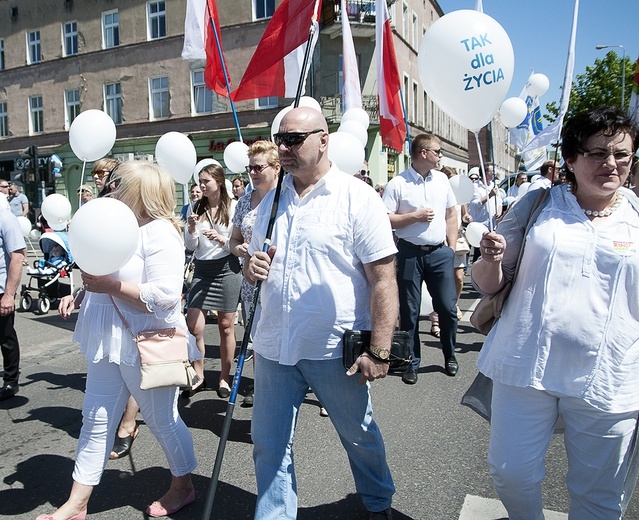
[(56, 209), (92, 135), (25, 225), (355, 128), (236, 156), (176, 153), (537, 85), (477, 57), (307, 101), (474, 232), (513, 111), (356, 114), (346, 151), (200, 166), (34, 233), (523, 189), (534, 178), (509, 200), (463, 188), (229, 187), (501, 193), (275, 125), (101, 249)]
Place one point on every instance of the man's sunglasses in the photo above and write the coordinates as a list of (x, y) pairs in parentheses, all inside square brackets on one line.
[(289, 139)]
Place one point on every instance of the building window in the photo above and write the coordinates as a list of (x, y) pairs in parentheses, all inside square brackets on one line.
[(263, 9), (159, 96), (113, 101), (110, 29), (415, 103), (2, 54), (4, 120), (36, 114), (415, 28), (202, 97), (406, 93), (34, 50), (267, 102), (70, 38), (72, 105), (405, 22), (156, 15)]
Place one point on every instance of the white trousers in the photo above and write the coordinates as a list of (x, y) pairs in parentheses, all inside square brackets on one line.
[(108, 388), (523, 420)]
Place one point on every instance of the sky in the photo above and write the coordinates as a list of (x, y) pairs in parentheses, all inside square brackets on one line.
[(539, 31)]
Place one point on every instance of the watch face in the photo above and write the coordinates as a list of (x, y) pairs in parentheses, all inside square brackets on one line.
[(382, 353)]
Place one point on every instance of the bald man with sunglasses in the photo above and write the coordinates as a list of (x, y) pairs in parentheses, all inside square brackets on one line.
[(330, 268)]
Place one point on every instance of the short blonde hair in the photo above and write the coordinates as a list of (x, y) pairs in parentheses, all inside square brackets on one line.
[(267, 148), (145, 188)]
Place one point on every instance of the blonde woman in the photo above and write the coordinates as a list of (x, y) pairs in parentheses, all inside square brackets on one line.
[(217, 278), (147, 291)]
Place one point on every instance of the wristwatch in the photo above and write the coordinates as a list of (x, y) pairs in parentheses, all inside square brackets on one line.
[(381, 354)]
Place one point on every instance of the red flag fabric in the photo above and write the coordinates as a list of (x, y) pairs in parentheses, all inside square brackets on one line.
[(391, 114), (276, 65), (200, 42)]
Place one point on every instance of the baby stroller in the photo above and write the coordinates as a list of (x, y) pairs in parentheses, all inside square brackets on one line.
[(46, 273)]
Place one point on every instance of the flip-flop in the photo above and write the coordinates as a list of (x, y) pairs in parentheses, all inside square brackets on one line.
[(122, 446)]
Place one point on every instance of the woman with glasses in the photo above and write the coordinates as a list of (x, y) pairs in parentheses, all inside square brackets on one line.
[(217, 278), (567, 342), (101, 170), (263, 168)]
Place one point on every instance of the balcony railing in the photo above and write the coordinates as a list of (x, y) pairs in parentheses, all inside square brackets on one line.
[(360, 11), (332, 108)]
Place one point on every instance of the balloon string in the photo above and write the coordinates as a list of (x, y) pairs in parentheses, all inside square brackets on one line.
[(483, 175), (84, 165)]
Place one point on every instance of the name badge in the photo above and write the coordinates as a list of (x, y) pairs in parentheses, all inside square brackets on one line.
[(624, 248)]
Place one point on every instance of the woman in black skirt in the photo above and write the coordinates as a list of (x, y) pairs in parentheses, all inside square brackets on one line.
[(217, 278)]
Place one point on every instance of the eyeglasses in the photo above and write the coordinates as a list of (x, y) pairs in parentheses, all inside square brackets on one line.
[(474, 178), (79, 191), (4, 185), (101, 173), (290, 139), (437, 152), (257, 168), (622, 157)]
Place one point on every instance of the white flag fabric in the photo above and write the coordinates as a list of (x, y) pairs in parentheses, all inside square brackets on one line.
[(351, 88), (526, 131), (551, 133), (633, 109)]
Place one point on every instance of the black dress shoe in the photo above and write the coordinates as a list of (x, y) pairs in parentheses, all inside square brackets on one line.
[(247, 402), (8, 391), (451, 366), (386, 514), (410, 376), (187, 393)]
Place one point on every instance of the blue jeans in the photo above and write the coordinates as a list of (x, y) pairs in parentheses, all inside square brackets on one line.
[(279, 392)]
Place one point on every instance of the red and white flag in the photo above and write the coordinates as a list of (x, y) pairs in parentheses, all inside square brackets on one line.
[(351, 88), (276, 66), (391, 115), (200, 42)]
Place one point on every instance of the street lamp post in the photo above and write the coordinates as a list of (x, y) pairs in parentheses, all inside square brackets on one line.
[(623, 70)]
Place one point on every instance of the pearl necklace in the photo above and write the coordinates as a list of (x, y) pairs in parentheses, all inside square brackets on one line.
[(604, 213)]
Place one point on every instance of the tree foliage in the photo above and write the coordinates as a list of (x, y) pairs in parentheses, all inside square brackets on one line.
[(600, 85)]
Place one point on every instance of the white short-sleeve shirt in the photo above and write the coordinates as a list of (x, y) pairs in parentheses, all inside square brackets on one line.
[(316, 287)]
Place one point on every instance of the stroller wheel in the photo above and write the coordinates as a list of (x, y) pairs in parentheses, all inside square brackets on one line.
[(44, 304), (26, 301)]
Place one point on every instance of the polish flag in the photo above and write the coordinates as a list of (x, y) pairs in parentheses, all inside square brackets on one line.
[(351, 89), (200, 42), (391, 115), (276, 66)]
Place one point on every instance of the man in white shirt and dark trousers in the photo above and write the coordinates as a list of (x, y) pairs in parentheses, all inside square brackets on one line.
[(421, 207), (330, 268)]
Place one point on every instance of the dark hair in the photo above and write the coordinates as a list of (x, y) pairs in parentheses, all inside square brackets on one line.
[(605, 120), (222, 214)]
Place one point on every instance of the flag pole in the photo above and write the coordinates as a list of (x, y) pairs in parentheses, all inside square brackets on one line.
[(401, 97), (226, 79), (491, 226), (230, 407)]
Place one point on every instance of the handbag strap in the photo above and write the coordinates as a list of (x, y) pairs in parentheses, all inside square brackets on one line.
[(126, 325), (540, 202)]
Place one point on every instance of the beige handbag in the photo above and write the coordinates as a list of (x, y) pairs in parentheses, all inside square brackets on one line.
[(164, 359)]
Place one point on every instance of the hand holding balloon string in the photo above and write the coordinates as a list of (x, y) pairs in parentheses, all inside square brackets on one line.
[(492, 246)]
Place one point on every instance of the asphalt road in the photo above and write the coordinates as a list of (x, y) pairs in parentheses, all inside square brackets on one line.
[(436, 447)]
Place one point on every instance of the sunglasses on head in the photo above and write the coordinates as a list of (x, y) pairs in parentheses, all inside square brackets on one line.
[(289, 139)]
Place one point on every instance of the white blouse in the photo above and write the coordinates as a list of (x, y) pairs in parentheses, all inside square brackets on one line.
[(157, 268), (571, 322), (202, 247)]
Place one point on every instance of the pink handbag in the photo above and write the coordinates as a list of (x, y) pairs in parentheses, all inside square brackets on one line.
[(164, 359)]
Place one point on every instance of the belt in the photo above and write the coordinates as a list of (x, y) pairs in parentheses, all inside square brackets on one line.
[(427, 249)]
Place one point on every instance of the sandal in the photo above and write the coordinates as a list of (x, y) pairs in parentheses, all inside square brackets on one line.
[(122, 446), (435, 330)]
